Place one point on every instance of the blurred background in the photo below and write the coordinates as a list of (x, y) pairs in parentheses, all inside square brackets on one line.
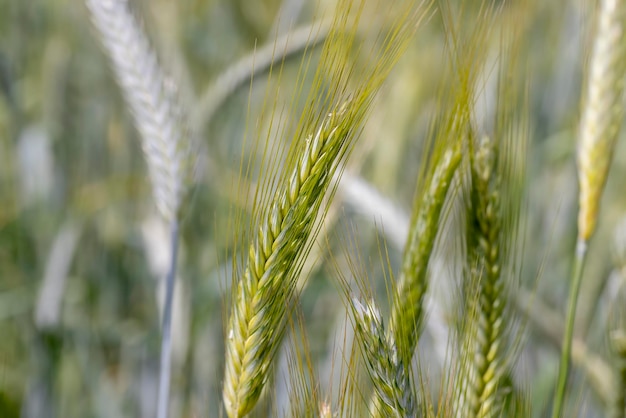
[(82, 249)]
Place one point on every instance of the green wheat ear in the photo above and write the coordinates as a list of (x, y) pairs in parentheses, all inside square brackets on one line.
[(493, 207), (438, 169), (393, 393), (288, 207), (484, 363), (393, 396)]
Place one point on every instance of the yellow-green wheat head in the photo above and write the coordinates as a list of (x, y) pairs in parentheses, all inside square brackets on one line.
[(603, 110)]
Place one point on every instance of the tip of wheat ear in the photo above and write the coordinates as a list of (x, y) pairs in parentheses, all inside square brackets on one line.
[(602, 112)]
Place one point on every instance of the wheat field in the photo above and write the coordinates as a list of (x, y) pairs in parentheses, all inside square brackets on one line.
[(324, 208)]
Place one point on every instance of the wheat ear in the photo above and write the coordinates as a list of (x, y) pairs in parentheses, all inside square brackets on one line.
[(603, 111), (152, 98), (286, 220), (482, 367), (407, 311), (267, 284), (393, 396), (601, 118), (165, 137)]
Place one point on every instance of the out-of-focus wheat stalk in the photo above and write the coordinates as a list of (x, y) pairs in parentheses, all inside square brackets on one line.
[(252, 65), (166, 138), (602, 114), (618, 345)]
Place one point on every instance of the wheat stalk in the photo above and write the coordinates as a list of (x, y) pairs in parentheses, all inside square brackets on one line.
[(618, 345), (617, 334)]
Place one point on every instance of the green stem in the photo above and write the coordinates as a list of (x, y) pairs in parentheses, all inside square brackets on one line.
[(577, 274)]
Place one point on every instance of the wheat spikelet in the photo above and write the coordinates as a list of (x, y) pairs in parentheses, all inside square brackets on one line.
[(603, 111), (152, 98), (392, 396)]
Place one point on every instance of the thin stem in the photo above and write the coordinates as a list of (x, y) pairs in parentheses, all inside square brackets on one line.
[(577, 273), (166, 338)]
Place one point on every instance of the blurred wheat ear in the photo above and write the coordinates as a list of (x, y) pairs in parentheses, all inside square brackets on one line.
[(153, 100), (603, 111), (602, 114), (438, 168), (165, 134), (484, 362)]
